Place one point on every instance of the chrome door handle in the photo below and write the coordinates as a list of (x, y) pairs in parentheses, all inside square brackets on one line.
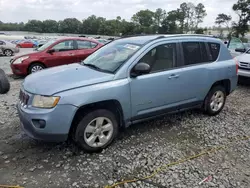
[(71, 54), (173, 76)]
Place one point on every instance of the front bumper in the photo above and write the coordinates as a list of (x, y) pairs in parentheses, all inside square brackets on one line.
[(244, 73), (19, 69), (58, 122)]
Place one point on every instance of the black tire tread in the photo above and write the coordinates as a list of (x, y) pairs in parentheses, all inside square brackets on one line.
[(4, 83), (206, 105), (84, 122)]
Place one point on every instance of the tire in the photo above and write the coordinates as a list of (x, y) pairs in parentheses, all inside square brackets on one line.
[(35, 67), (215, 100), (4, 83), (8, 52), (89, 122)]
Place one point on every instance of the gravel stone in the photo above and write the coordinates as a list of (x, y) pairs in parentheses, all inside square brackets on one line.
[(138, 151)]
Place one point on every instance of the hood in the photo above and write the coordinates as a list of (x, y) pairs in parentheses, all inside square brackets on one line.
[(57, 79), (26, 54), (244, 58)]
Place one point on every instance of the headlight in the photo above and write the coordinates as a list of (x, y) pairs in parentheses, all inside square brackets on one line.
[(19, 60), (45, 102)]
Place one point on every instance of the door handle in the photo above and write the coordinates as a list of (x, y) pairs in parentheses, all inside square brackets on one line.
[(173, 76), (71, 54)]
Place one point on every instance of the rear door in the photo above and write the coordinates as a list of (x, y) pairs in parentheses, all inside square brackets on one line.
[(84, 49), (194, 75), (64, 53)]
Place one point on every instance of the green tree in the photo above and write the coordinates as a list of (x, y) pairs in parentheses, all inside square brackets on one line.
[(159, 16), (69, 25), (144, 19), (50, 26), (34, 26), (93, 24), (241, 8), (200, 13), (223, 19), (169, 25)]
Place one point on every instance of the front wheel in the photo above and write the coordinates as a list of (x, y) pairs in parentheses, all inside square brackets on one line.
[(215, 100), (35, 68), (96, 130), (8, 52)]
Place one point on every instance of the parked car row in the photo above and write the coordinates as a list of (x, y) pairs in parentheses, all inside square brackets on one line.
[(7, 48), (54, 53), (126, 81)]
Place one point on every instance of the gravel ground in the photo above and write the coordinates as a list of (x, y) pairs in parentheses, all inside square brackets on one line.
[(138, 151)]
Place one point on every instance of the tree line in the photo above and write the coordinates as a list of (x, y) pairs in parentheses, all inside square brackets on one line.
[(182, 20), (185, 19)]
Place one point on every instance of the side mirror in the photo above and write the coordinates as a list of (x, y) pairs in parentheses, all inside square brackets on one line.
[(51, 51), (140, 68), (242, 50)]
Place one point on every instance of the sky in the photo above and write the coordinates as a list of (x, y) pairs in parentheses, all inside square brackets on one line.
[(24, 10)]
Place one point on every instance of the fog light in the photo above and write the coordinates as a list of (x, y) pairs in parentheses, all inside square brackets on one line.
[(39, 123)]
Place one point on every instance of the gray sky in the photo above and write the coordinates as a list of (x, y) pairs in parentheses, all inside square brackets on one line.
[(23, 10)]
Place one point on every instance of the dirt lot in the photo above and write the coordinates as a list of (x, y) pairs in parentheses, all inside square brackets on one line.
[(137, 152)]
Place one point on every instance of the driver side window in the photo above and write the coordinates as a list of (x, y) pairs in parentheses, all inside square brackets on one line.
[(161, 58), (64, 46)]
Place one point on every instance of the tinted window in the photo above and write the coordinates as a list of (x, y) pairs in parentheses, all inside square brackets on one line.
[(85, 44), (93, 45), (192, 53), (2, 43), (205, 57), (161, 58), (214, 49), (64, 46)]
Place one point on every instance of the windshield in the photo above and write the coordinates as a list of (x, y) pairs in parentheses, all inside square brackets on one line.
[(46, 45), (110, 57)]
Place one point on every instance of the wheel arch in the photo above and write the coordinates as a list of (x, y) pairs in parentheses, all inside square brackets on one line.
[(226, 83), (111, 105), (34, 62)]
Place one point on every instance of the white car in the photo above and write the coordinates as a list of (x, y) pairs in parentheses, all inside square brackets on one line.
[(244, 63)]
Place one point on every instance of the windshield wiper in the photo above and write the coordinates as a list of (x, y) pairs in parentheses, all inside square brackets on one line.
[(96, 68), (92, 66)]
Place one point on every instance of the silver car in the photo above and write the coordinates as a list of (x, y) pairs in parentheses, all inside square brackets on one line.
[(7, 48)]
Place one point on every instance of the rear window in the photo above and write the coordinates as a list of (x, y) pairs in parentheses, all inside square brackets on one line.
[(192, 53), (214, 49)]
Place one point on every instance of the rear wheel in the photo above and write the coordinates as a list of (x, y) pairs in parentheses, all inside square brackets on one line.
[(96, 130), (35, 67), (4, 82), (8, 52), (215, 100)]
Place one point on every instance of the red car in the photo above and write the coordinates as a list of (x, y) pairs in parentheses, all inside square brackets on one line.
[(26, 44), (54, 53)]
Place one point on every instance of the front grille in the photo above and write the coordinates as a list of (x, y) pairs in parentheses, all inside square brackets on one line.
[(245, 65), (24, 98)]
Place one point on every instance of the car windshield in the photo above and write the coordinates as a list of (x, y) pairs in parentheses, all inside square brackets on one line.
[(111, 56), (46, 45)]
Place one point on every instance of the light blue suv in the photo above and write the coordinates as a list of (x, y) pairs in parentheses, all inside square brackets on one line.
[(124, 82)]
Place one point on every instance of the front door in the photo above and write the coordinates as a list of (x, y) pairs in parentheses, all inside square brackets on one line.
[(158, 91), (64, 53)]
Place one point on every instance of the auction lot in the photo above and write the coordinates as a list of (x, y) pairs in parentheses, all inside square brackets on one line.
[(138, 151)]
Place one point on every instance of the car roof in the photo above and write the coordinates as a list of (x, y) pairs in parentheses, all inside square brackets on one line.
[(143, 39), (76, 38)]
